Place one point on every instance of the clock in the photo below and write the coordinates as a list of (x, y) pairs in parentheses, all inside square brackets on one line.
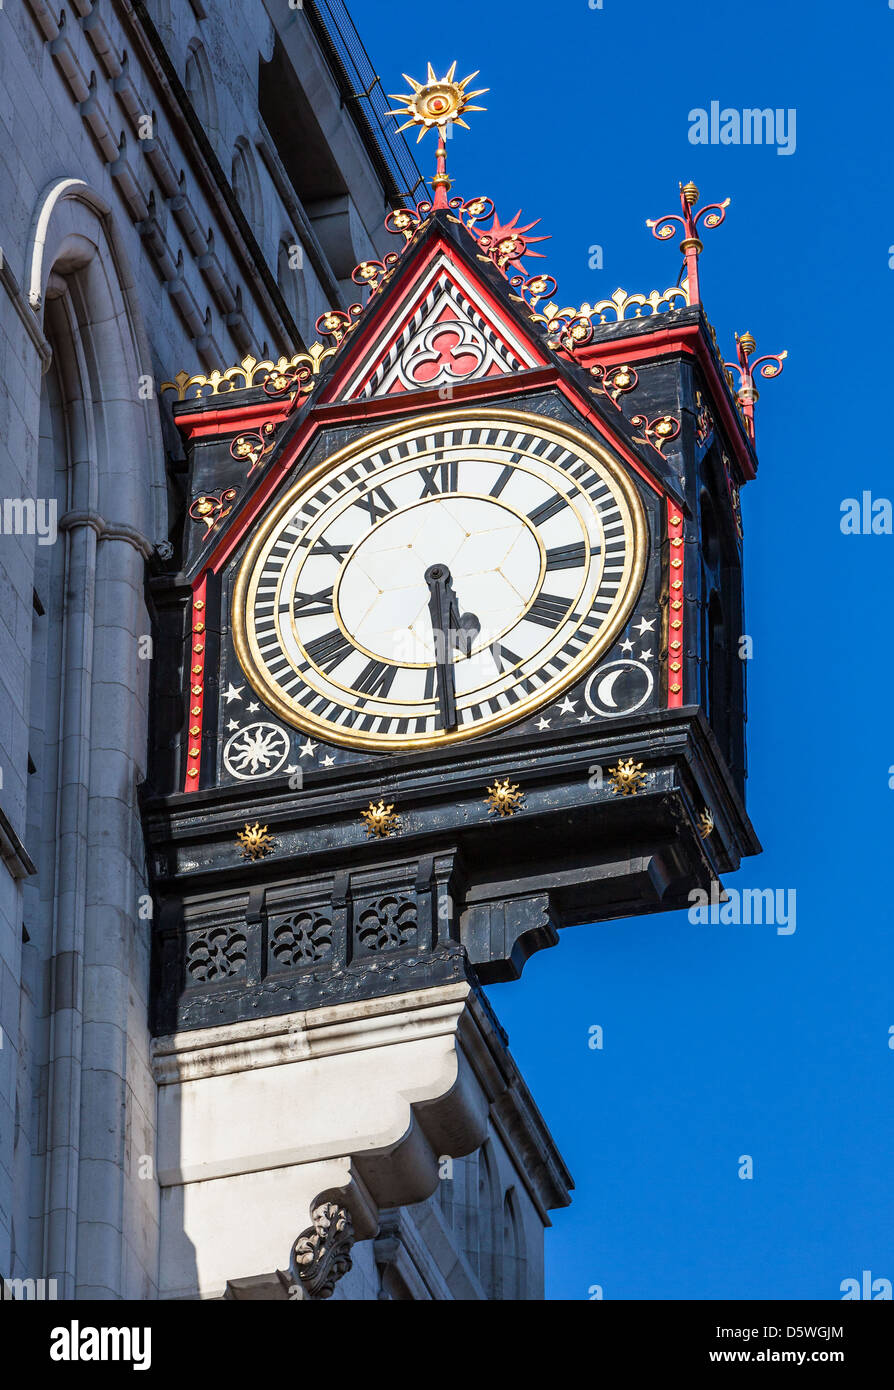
[(437, 580)]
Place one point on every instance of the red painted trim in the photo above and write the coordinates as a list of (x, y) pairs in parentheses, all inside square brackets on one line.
[(237, 418), (675, 606), (195, 667), (687, 338)]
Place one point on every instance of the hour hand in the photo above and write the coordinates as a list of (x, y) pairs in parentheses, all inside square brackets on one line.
[(452, 631)]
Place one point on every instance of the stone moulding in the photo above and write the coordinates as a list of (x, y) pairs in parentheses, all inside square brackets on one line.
[(351, 1105)]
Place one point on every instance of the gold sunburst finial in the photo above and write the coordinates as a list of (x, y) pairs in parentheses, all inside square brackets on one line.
[(380, 819), (437, 102), (705, 823), (255, 841), (505, 797), (627, 778)]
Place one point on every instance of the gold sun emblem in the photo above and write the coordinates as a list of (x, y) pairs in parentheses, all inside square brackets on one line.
[(380, 819), (255, 841), (627, 778), (505, 797), (436, 102), (705, 823)]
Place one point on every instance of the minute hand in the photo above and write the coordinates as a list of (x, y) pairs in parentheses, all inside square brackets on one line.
[(452, 631)]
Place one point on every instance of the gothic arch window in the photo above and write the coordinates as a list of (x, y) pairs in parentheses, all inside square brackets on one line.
[(199, 84), (247, 187), (488, 1207), (513, 1254), (87, 717)]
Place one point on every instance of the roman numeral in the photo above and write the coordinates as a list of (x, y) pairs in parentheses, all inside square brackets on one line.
[(503, 657), (310, 605), (546, 510), (376, 678), (323, 547), (566, 557), (377, 503), (501, 481), (548, 610), (439, 478), (329, 650)]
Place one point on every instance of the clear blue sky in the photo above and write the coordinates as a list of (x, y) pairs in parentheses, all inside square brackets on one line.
[(722, 1041)]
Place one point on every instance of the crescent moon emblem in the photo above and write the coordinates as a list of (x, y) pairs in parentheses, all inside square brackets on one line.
[(604, 689)]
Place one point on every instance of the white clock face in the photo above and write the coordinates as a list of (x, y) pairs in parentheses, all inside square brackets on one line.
[(522, 532)]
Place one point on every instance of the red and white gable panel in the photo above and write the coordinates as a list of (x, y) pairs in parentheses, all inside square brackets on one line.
[(449, 333)]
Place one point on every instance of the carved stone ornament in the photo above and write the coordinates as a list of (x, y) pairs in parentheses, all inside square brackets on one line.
[(321, 1254)]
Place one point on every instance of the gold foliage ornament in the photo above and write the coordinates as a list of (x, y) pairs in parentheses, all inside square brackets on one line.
[(381, 820), (255, 841), (627, 778), (505, 798), (705, 823)]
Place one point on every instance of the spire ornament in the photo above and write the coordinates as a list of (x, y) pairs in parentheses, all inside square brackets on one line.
[(770, 366), (690, 243), (435, 104)]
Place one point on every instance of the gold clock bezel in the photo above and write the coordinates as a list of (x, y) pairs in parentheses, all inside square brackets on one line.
[(635, 534)]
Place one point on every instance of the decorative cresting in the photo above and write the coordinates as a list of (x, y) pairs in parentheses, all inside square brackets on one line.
[(250, 373), (322, 1254), (691, 246), (770, 366), (572, 329)]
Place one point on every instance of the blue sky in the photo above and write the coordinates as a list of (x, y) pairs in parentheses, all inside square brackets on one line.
[(726, 1040)]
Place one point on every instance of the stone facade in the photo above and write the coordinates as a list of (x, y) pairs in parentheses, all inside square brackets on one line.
[(182, 185)]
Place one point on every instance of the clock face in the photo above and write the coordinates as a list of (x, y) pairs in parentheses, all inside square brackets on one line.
[(439, 579)]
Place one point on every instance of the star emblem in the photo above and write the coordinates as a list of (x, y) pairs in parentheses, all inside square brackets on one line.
[(645, 655), (307, 748), (627, 645), (233, 692), (253, 707), (232, 724), (584, 718), (542, 723), (567, 706), (328, 760), (644, 625)]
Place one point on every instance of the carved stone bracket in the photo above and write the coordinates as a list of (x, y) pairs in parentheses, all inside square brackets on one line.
[(322, 1253)]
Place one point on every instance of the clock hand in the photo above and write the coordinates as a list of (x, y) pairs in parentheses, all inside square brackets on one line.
[(452, 631)]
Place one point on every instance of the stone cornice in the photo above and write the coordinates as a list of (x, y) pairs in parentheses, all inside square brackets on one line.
[(455, 1010)]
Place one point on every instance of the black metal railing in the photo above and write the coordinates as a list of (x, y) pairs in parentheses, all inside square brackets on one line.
[(362, 90)]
